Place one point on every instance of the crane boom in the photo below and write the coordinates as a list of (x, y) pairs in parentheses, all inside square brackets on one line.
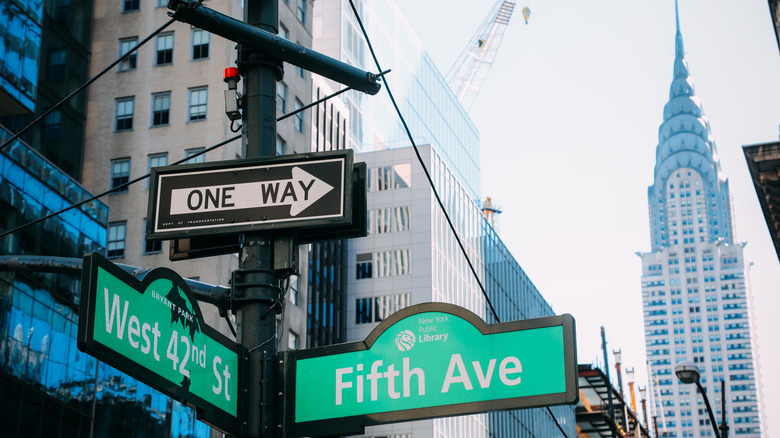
[(471, 68)]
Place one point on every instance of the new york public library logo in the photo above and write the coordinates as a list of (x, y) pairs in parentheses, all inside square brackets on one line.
[(406, 339)]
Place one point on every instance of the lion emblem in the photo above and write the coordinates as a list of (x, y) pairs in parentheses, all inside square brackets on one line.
[(405, 340)]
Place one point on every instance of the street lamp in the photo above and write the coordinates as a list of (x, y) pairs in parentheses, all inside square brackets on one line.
[(618, 355), (688, 372), (630, 375), (643, 397)]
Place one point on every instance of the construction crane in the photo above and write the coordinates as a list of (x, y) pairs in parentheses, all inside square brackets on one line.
[(489, 210), (471, 68)]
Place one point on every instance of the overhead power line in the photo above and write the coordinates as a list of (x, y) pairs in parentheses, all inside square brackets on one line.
[(433, 188), (86, 84), (424, 167), (141, 178)]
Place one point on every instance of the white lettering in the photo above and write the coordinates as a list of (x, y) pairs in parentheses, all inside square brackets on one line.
[(504, 370), (374, 377), (218, 387), (408, 377), (484, 379), (156, 333), (390, 375), (341, 384), (133, 330), (115, 306), (145, 334), (463, 377)]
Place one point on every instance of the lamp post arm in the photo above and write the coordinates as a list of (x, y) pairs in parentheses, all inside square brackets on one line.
[(709, 409)]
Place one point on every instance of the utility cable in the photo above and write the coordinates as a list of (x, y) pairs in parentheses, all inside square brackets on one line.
[(114, 189), (141, 178), (315, 103), (86, 84), (430, 181), (425, 169)]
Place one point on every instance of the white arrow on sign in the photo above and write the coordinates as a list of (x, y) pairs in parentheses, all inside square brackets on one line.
[(299, 192)]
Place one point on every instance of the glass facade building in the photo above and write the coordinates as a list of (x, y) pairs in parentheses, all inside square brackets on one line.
[(694, 280), (48, 386), (410, 255), (430, 108), (20, 25)]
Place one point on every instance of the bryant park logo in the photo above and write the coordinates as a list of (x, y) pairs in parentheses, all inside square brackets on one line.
[(405, 340)]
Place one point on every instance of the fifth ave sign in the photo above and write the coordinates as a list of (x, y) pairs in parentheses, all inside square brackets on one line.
[(236, 196)]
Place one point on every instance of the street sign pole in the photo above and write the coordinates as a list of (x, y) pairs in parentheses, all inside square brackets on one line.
[(256, 284)]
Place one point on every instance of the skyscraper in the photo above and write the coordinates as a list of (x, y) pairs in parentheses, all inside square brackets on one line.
[(694, 279)]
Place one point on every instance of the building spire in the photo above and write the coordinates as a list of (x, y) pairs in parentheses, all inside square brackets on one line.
[(685, 141), (680, 66)]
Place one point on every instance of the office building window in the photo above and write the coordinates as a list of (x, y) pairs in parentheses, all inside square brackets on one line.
[(115, 245), (389, 220), (120, 173), (56, 70), (281, 146), (298, 115), (363, 308), (161, 109), (392, 263), (397, 176), (294, 297), (61, 10), (164, 52), (302, 11), (151, 247), (52, 126), (158, 160), (125, 45), (364, 266), (281, 98), (200, 44), (199, 159), (293, 340), (124, 113), (131, 5), (376, 309), (198, 103)]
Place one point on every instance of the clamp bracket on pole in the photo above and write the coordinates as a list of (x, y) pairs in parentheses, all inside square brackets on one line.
[(262, 279)]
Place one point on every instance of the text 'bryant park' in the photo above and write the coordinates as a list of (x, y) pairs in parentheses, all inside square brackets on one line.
[(389, 219)]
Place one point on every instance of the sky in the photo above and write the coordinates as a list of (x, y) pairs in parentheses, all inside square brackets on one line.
[(568, 121)]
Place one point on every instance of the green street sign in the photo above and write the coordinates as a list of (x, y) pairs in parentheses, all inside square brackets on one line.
[(153, 330), (430, 360)]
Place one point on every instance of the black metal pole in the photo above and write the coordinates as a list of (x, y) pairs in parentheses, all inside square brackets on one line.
[(265, 39), (256, 284), (709, 408)]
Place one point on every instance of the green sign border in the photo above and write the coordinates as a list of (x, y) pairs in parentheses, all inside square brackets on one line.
[(206, 411), (356, 424)]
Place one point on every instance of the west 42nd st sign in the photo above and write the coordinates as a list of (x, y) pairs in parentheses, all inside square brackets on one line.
[(153, 330), (427, 361), (230, 197)]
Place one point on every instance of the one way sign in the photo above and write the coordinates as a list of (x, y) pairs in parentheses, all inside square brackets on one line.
[(229, 197)]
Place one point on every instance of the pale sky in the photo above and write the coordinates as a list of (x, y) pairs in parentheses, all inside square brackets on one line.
[(569, 119)]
